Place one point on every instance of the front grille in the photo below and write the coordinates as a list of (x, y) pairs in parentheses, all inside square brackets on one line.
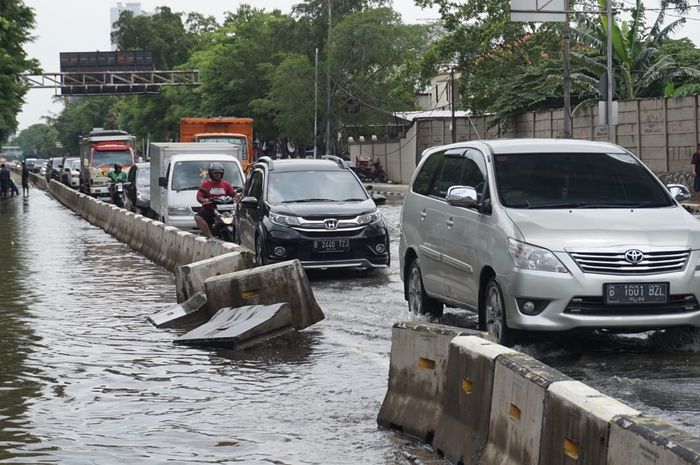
[(595, 306), (614, 262)]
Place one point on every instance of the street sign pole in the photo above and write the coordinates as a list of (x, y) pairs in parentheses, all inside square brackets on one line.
[(568, 132), (611, 76)]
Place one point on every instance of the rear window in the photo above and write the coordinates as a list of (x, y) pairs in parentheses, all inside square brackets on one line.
[(576, 180)]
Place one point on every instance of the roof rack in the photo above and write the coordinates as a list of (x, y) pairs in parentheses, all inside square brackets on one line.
[(342, 163)]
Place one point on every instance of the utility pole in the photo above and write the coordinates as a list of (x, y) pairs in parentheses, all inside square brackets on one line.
[(316, 106), (611, 76), (328, 82), (452, 104), (568, 132)]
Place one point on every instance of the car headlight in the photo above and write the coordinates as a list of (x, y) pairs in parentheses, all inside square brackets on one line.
[(531, 257), (284, 220), (179, 211), (369, 218)]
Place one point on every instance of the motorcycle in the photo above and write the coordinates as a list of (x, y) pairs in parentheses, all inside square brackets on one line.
[(116, 192), (224, 217), (378, 174)]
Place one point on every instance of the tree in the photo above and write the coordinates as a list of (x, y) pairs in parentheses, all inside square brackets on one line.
[(39, 140), (16, 23), (78, 118)]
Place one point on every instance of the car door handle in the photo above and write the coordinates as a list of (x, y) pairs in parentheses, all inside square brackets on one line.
[(450, 223), (422, 215)]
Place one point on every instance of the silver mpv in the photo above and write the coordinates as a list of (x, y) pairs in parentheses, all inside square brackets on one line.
[(548, 235)]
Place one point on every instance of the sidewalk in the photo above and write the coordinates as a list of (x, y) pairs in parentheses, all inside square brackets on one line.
[(389, 190)]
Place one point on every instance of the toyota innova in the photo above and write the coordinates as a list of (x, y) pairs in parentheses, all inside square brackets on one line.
[(548, 235)]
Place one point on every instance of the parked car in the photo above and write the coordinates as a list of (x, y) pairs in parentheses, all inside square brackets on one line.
[(69, 166), (138, 192), (316, 211), (548, 235)]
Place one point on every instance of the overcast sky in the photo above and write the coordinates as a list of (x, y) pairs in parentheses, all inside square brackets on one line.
[(83, 25)]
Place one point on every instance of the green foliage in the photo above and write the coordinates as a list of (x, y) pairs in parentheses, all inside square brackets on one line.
[(79, 117), (16, 23), (39, 140)]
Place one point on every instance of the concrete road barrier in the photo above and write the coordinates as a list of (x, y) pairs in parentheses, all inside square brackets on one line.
[(576, 425), (190, 278), (462, 430), (154, 241), (168, 249), (417, 375), (184, 252), (266, 285), (648, 441), (202, 249), (240, 328), (192, 312), (517, 409)]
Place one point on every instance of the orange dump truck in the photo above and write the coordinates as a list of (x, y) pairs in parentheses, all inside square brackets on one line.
[(238, 131)]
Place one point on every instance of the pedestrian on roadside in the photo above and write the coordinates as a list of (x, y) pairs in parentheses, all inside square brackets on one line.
[(25, 180), (4, 179), (695, 169)]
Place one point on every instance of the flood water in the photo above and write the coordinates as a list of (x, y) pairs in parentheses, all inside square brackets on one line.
[(84, 378)]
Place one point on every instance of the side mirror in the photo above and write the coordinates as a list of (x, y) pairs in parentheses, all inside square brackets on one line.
[(379, 199), (462, 196), (369, 188), (679, 192), (249, 202), (163, 182)]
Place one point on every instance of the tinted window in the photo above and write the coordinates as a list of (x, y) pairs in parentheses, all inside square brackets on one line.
[(314, 186), (450, 175), (425, 176), (256, 185), (567, 180), (143, 178)]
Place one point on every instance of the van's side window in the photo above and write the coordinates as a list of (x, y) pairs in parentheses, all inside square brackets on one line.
[(425, 176), (449, 176)]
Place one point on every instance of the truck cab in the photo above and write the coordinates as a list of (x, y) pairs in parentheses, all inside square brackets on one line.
[(99, 152)]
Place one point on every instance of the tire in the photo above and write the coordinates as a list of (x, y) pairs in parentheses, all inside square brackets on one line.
[(492, 318), (418, 300), (226, 235), (260, 254)]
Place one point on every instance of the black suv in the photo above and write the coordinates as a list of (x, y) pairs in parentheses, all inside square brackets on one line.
[(314, 210)]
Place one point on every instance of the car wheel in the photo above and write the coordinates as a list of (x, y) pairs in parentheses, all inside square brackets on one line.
[(494, 313), (260, 258), (418, 300)]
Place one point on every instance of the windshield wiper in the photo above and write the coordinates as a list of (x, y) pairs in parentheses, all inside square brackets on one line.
[(309, 200), (191, 188), (352, 200)]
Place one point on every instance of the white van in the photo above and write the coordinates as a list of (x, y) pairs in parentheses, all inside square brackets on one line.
[(548, 235)]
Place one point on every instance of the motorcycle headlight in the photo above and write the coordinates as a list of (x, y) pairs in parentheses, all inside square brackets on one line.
[(531, 257), (179, 211), (284, 220), (369, 218)]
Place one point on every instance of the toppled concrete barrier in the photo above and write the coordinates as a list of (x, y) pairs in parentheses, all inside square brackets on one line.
[(462, 431), (240, 328), (189, 279), (187, 314), (266, 285), (417, 375)]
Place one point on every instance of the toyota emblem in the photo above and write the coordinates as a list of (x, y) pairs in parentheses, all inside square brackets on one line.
[(331, 223), (634, 256)]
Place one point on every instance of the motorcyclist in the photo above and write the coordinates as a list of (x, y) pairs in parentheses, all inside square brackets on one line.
[(116, 175), (214, 186)]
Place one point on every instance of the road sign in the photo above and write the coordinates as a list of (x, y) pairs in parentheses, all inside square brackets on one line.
[(603, 114), (538, 11)]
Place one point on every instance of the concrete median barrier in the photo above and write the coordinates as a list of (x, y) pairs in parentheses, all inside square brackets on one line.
[(240, 328), (576, 425), (168, 248), (184, 252), (462, 430), (517, 409), (201, 249), (649, 441), (417, 374), (154, 241), (266, 285), (192, 312), (190, 278)]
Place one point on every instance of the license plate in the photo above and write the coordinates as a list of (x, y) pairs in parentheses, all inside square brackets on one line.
[(636, 293), (332, 246)]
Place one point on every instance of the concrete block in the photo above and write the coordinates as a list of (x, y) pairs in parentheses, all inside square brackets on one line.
[(463, 427), (648, 441), (517, 408), (184, 251), (240, 328), (168, 249), (190, 278), (417, 375), (576, 424), (193, 312), (264, 285), (154, 241), (139, 235), (201, 249)]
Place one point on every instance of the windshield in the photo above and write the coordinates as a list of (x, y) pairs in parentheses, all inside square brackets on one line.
[(111, 157), (143, 178), (314, 186), (188, 175), (75, 165), (572, 180)]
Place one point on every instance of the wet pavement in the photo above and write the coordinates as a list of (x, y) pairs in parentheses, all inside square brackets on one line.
[(85, 379)]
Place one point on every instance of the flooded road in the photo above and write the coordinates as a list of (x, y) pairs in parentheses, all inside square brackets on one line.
[(85, 379)]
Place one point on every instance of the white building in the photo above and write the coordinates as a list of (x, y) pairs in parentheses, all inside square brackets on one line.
[(438, 95), (114, 13)]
